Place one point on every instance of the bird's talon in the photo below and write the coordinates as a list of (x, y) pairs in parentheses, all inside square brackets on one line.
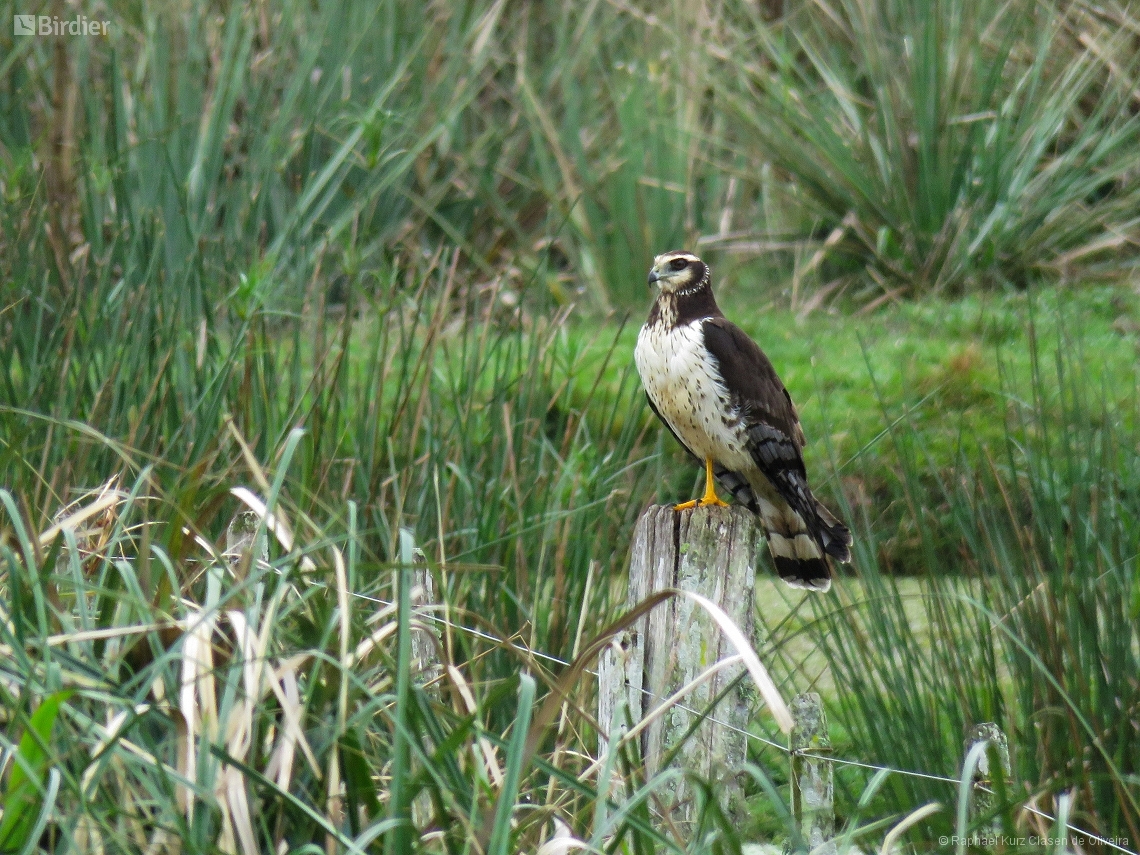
[(703, 502), (710, 499)]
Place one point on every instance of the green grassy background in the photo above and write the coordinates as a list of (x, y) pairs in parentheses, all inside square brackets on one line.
[(384, 264)]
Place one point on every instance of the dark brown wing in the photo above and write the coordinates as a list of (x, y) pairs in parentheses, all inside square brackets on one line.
[(751, 379), (775, 440), (775, 435)]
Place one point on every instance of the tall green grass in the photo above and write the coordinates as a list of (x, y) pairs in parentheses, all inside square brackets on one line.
[(942, 146), (478, 432), (120, 684), (1040, 634), (183, 285), (275, 702)]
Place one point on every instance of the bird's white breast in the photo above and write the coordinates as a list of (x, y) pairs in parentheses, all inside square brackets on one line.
[(684, 384)]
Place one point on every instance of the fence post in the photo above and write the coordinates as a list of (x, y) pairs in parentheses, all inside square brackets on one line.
[(426, 662), (812, 789), (712, 551), (982, 798), (239, 543)]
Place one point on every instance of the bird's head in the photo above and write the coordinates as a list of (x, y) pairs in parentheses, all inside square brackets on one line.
[(678, 272)]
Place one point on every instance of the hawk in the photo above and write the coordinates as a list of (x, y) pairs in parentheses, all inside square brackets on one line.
[(720, 397)]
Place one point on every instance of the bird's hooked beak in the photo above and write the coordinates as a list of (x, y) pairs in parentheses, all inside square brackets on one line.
[(653, 277)]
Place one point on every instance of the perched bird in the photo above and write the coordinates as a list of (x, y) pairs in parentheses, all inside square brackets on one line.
[(720, 397)]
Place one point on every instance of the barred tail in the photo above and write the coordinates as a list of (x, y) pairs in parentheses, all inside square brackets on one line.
[(799, 561), (799, 549), (801, 553)]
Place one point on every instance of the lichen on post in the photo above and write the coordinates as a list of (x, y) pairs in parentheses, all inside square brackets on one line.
[(812, 788), (996, 745)]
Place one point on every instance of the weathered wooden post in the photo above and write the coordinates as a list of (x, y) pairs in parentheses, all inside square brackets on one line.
[(426, 663), (240, 546), (711, 551), (982, 797), (812, 791)]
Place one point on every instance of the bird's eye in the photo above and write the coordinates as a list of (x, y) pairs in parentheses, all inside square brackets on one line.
[(678, 264)]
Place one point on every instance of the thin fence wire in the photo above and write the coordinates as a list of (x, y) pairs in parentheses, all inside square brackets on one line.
[(478, 633)]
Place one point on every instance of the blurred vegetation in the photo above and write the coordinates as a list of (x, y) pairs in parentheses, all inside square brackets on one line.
[(948, 146), (1037, 633), (383, 265)]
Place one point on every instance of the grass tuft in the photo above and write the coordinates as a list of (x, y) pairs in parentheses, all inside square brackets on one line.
[(944, 147)]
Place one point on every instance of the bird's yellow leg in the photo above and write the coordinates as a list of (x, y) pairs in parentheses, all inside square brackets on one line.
[(709, 498)]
